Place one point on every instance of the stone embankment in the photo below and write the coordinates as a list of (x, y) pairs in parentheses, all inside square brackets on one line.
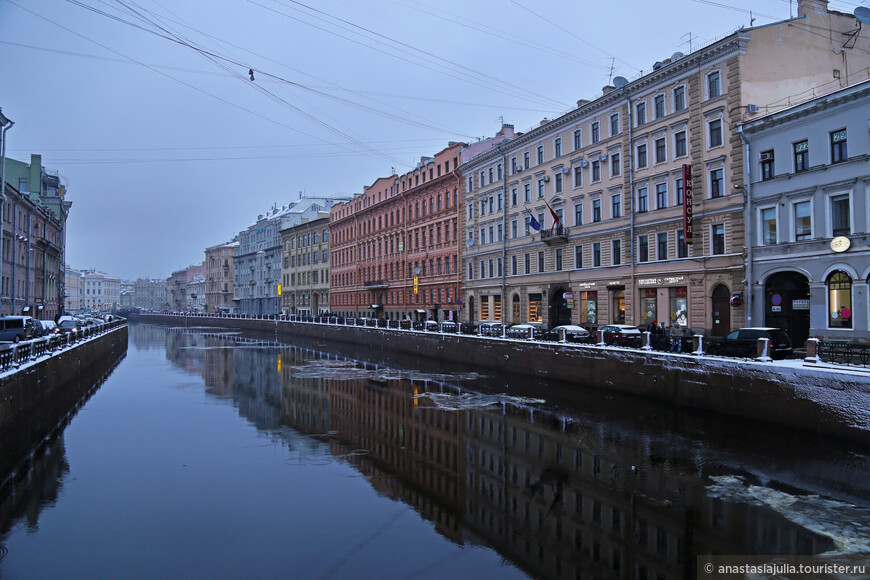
[(828, 399)]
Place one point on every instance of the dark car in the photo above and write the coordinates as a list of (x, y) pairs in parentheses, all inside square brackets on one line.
[(621, 335), (69, 325), (573, 333), (744, 343)]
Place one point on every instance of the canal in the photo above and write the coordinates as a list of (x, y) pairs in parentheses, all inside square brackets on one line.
[(216, 454)]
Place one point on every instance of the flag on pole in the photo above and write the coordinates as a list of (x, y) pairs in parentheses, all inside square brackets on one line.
[(533, 222), (553, 213)]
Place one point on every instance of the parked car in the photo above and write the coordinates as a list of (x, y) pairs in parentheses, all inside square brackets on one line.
[(69, 325), (529, 331), (16, 328), (44, 327), (573, 333), (621, 335), (743, 342)]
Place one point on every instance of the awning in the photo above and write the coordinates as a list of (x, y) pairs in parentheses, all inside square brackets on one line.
[(421, 311)]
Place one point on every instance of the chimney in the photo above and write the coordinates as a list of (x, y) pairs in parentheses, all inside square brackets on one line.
[(806, 7), (607, 89)]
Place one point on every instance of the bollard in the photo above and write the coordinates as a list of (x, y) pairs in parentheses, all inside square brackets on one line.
[(762, 350), (698, 344), (562, 334), (646, 340), (812, 351), (601, 338)]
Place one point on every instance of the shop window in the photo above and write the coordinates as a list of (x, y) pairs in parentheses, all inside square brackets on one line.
[(839, 300), (589, 307), (619, 307), (535, 312), (679, 305), (648, 307)]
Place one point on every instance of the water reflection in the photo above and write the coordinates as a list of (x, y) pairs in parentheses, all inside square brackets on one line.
[(606, 487)]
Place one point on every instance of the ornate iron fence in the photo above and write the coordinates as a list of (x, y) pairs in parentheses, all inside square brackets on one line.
[(844, 352)]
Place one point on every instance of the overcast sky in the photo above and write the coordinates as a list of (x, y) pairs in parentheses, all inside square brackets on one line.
[(147, 110)]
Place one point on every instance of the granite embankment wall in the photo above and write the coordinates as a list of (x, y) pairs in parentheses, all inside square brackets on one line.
[(39, 382), (790, 394)]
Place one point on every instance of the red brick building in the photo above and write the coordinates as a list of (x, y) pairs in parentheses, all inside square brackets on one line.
[(400, 227)]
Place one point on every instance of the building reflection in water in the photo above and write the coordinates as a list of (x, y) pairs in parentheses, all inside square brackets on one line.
[(558, 492)]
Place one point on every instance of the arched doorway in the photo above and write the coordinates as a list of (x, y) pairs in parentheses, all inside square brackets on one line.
[(787, 305), (315, 304), (471, 309), (558, 307), (515, 310), (721, 309)]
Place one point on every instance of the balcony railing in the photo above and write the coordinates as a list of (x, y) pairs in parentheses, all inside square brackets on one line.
[(556, 235)]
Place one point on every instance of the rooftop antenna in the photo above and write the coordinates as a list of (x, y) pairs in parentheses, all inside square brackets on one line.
[(683, 38), (610, 74), (751, 19), (862, 15), (501, 119)]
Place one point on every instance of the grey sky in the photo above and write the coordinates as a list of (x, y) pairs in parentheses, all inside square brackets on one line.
[(166, 150)]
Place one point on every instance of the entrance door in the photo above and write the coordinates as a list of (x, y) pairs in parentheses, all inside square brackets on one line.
[(515, 310), (471, 309), (559, 313), (618, 307), (721, 309), (787, 305)]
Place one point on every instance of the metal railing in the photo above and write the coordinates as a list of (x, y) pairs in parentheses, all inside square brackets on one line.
[(13, 355), (844, 352)]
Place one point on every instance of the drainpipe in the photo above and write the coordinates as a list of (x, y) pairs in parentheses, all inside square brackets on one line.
[(27, 296), (632, 211), (5, 124), (504, 173), (748, 285), (14, 249)]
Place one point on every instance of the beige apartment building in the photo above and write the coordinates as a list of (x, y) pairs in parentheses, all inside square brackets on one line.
[(305, 271), (219, 277), (605, 183)]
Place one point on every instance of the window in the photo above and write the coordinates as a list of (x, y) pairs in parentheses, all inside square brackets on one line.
[(679, 98), (540, 261), (662, 246), (661, 150), (514, 228), (614, 164), (767, 171), (558, 259), (596, 254), (715, 133), (642, 199), (660, 106), (682, 248), (614, 124), (541, 183), (717, 182), (803, 222), (616, 252), (643, 249), (578, 176), (527, 192), (527, 160), (578, 256), (839, 300), (717, 239), (558, 182), (557, 147), (578, 214), (641, 156), (596, 210), (540, 154), (596, 132), (840, 222), (527, 226), (596, 171), (578, 139), (678, 182), (513, 265), (838, 146), (714, 87), (680, 149), (661, 195), (641, 113), (527, 264), (616, 205), (768, 226), (513, 196), (801, 156)]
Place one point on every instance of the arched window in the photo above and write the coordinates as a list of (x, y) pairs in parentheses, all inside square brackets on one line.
[(839, 300)]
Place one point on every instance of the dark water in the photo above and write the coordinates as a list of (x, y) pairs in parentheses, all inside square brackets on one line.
[(213, 455)]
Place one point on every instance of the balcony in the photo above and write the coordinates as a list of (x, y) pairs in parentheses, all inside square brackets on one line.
[(376, 285), (554, 236)]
